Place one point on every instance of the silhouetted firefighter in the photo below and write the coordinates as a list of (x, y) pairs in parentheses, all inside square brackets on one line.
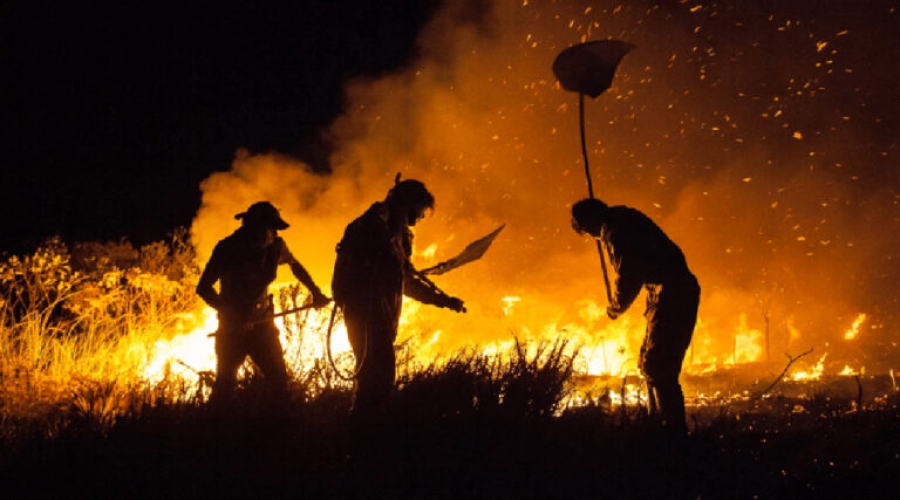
[(643, 256), (244, 264), (371, 275)]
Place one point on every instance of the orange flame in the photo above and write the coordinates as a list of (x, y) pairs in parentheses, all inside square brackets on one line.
[(813, 374), (853, 332)]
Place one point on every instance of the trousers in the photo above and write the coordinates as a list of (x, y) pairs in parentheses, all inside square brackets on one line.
[(372, 331), (671, 316), (260, 342)]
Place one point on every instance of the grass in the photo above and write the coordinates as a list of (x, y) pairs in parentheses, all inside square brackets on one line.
[(438, 442), (76, 419)]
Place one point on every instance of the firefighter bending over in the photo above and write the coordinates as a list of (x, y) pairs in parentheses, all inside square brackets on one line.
[(244, 264), (643, 256), (371, 274)]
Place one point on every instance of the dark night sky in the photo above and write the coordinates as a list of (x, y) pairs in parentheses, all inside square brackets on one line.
[(113, 114)]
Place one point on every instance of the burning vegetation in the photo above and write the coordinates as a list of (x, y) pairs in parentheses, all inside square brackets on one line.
[(106, 354)]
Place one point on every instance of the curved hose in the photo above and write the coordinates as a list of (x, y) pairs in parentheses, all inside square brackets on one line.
[(334, 367)]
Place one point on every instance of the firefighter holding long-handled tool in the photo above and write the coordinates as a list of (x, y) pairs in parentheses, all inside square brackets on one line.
[(372, 273), (640, 252), (644, 257), (245, 264)]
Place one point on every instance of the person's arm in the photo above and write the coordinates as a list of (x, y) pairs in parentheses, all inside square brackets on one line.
[(211, 273), (626, 289), (417, 286), (420, 288), (625, 248), (318, 298)]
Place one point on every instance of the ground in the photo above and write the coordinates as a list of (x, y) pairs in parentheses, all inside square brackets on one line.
[(767, 449)]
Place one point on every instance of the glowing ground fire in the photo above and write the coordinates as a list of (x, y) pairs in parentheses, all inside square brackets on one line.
[(614, 353)]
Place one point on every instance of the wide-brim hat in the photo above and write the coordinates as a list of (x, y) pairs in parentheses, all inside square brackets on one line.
[(263, 214)]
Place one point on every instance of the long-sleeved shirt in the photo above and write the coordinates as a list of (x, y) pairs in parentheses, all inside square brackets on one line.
[(244, 271), (373, 265), (641, 254)]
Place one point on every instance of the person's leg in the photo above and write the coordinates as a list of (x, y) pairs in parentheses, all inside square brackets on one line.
[(382, 373), (229, 356), (662, 366), (375, 365), (652, 396), (671, 403), (265, 350), (356, 319), (670, 329)]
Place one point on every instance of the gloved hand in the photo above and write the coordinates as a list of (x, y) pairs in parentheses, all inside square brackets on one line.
[(612, 312), (455, 304)]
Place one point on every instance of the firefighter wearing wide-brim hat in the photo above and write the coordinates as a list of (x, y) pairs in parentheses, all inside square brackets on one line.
[(244, 264), (644, 257), (371, 275)]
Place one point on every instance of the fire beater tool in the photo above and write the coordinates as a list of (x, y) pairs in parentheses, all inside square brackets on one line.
[(471, 253), (588, 68)]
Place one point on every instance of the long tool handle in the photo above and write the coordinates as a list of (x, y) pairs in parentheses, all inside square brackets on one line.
[(269, 318), (587, 168), (587, 173), (289, 311), (605, 275)]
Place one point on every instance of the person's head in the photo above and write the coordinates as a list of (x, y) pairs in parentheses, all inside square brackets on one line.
[(410, 199), (588, 216), (262, 220)]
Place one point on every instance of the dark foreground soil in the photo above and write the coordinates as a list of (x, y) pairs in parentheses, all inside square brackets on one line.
[(781, 449)]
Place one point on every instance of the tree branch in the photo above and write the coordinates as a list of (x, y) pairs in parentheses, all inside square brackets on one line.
[(786, 368)]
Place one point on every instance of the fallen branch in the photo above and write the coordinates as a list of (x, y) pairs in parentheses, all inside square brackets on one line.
[(783, 373)]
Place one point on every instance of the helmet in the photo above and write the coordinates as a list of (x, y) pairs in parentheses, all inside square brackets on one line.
[(262, 214), (410, 192)]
